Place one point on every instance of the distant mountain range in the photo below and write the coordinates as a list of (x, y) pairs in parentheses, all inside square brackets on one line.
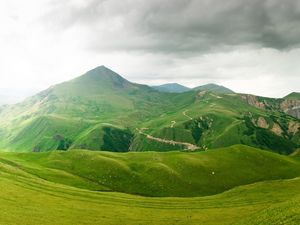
[(178, 88), (101, 110), (172, 88)]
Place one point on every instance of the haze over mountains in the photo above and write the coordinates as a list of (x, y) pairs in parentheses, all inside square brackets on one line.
[(101, 110)]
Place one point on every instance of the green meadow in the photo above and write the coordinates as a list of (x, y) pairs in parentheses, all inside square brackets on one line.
[(236, 185)]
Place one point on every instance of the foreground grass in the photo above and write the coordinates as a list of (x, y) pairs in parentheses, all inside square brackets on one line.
[(26, 200), (153, 174), (33, 192)]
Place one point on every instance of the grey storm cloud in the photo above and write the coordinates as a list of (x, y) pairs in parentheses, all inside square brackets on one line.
[(181, 26), (249, 46)]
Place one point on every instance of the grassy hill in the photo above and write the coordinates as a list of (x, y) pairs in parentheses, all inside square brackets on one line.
[(293, 96), (56, 187), (100, 110), (158, 174)]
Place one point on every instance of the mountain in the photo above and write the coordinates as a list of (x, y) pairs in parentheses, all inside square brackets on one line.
[(291, 104), (94, 110), (293, 96), (178, 88), (171, 88), (214, 88), (101, 110)]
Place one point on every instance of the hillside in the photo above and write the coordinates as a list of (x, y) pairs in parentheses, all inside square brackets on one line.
[(99, 101), (158, 174), (293, 96), (32, 190), (214, 88), (214, 121), (101, 110), (171, 88)]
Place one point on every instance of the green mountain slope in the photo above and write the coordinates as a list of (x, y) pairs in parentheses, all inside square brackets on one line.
[(100, 98), (293, 96), (159, 174), (214, 88), (32, 190), (100, 110), (171, 88), (213, 121)]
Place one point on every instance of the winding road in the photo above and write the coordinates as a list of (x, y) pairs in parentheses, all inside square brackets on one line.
[(184, 113), (187, 146)]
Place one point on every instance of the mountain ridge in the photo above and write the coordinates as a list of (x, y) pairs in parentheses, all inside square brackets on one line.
[(100, 108), (219, 89)]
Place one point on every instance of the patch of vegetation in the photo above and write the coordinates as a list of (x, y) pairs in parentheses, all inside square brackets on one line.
[(268, 140), (198, 127), (116, 140)]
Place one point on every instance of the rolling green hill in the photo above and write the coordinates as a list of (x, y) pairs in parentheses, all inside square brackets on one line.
[(158, 174), (57, 187), (100, 110)]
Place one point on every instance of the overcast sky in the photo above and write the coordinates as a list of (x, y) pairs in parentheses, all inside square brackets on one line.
[(250, 46)]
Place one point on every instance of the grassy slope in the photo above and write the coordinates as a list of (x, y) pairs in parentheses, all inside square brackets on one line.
[(231, 123), (293, 96), (159, 174), (99, 108), (27, 199), (73, 108)]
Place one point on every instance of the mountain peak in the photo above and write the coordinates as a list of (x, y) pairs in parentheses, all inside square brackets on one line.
[(101, 68), (103, 77), (214, 88), (101, 71)]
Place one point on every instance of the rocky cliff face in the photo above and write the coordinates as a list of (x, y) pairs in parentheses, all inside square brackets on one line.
[(291, 107), (253, 100)]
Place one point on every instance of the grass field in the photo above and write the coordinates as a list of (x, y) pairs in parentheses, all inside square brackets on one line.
[(53, 188), (178, 174)]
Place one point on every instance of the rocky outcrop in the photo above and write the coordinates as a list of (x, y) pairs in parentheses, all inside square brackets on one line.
[(293, 127), (276, 129), (253, 100), (291, 107), (261, 122), (288, 106)]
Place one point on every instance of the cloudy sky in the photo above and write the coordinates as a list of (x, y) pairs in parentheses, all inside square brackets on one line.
[(249, 46)]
